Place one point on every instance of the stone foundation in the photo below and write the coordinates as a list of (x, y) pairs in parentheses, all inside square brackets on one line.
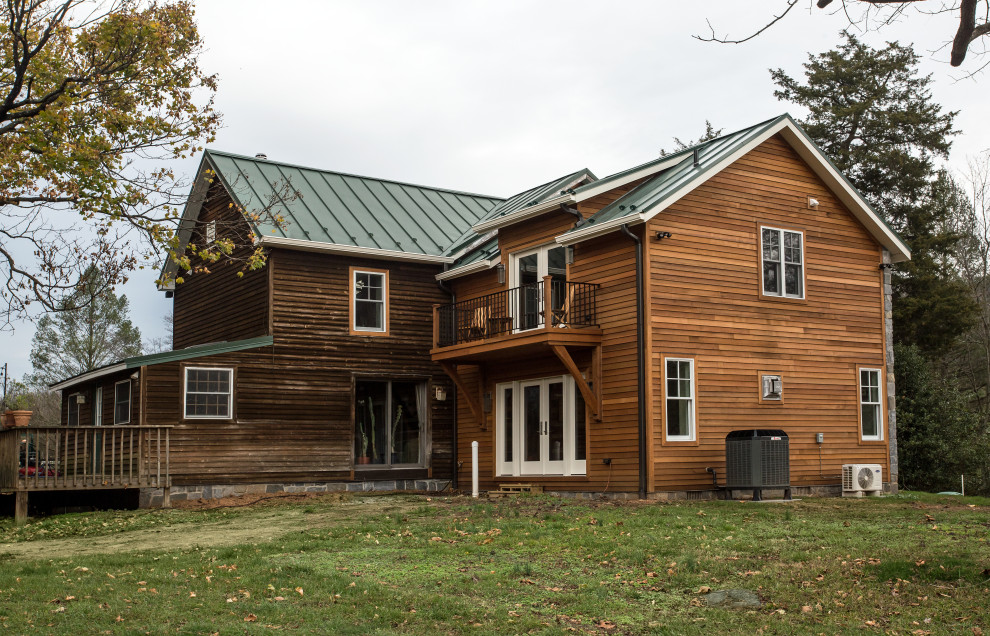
[(154, 497), (834, 490)]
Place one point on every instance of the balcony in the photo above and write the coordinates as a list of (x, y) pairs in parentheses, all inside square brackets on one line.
[(517, 321)]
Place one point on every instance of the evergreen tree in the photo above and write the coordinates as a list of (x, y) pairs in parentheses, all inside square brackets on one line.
[(874, 116), (90, 330)]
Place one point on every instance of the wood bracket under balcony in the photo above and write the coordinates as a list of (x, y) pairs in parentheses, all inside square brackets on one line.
[(465, 392), (591, 398)]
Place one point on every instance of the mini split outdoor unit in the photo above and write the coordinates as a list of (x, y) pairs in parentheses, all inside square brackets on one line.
[(860, 479)]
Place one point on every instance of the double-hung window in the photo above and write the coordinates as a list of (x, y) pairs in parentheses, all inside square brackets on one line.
[(369, 301), (871, 420), (121, 402), (680, 399), (209, 393), (783, 262)]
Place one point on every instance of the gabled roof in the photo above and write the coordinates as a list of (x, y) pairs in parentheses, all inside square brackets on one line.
[(680, 173), (334, 211), (196, 351)]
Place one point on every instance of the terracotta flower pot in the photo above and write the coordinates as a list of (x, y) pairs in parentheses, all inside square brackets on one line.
[(364, 460), (18, 419)]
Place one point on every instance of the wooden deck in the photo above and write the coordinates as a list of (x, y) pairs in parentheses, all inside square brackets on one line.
[(78, 458)]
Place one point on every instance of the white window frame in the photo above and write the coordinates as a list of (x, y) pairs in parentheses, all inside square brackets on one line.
[(116, 401), (230, 394), (542, 254), (98, 406), (878, 404), (211, 231), (693, 400), (73, 408), (782, 293), (383, 301)]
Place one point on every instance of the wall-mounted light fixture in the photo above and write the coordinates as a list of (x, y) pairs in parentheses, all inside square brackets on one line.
[(80, 399), (812, 203), (884, 266), (661, 235), (569, 254), (441, 394), (500, 270)]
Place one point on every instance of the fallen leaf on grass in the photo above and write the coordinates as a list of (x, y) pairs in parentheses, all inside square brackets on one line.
[(805, 609), (250, 618), (299, 590)]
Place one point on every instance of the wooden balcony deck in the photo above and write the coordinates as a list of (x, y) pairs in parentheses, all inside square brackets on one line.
[(59, 458), (517, 322)]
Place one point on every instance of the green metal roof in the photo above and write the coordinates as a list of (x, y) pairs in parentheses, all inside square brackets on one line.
[(536, 195), (349, 210), (198, 351), (484, 252), (673, 179)]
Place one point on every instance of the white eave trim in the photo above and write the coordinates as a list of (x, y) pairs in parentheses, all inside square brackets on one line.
[(523, 213), (600, 187), (812, 156), (333, 248), (92, 375), (464, 270)]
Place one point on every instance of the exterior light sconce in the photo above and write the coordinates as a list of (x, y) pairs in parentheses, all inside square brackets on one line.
[(569, 254), (80, 399), (500, 269), (441, 394), (812, 203), (884, 266), (661, 235)]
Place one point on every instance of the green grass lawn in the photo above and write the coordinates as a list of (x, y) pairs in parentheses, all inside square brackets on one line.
[(913, 564)]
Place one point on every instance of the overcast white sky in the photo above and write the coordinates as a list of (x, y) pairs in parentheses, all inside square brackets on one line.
[(497, 96)]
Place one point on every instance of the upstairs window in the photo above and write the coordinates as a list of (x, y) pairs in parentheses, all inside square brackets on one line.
[(870, 420), (121, 402), (783, 262), (209, 393), (369, 301), (211, 232)]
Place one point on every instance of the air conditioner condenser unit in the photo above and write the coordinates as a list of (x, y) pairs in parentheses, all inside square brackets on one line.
[(862, 479)]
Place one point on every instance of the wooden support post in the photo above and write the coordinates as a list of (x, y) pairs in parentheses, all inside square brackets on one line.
[(21, 507), (466, 392), (590, 398), (166, 497)]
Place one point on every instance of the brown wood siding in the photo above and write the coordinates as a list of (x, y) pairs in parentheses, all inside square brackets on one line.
[(608, 261), (706, 305), (316, 358), (219, 305), (88, 390)]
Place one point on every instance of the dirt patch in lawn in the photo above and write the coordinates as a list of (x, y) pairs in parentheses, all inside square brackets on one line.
[(266, 520)]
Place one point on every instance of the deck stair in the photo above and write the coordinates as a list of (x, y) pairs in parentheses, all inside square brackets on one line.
[(514, 489)]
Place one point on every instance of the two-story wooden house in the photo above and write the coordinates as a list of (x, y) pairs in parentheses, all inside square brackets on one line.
[(603, 334)]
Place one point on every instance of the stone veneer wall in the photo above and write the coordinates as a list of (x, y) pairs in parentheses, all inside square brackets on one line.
[(154, 497), (888, 318)]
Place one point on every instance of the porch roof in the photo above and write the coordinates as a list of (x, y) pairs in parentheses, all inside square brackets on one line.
[(196, 351)]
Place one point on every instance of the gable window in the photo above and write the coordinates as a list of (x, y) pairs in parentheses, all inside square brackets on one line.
[(208, 393), (211, 231), (680, 399), (122, 402), (870, 417), (369, 301), (390, 420), (783, 262)]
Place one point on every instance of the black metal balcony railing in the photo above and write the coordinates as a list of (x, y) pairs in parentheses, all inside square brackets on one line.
[(572, 305)]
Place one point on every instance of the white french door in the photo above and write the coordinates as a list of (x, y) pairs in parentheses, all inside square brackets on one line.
[(526, 274), (541, 428)]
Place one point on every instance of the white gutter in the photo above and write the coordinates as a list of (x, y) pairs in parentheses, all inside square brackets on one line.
[(464, 270), (92, 375), (333, 248), (523, 214)]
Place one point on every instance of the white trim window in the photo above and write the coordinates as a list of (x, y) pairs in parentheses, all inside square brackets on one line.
[(870, 401), (369, 301), (783, 262), (679, 395), (211, 232), (122, 402), (72, 418), (208, 393)]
